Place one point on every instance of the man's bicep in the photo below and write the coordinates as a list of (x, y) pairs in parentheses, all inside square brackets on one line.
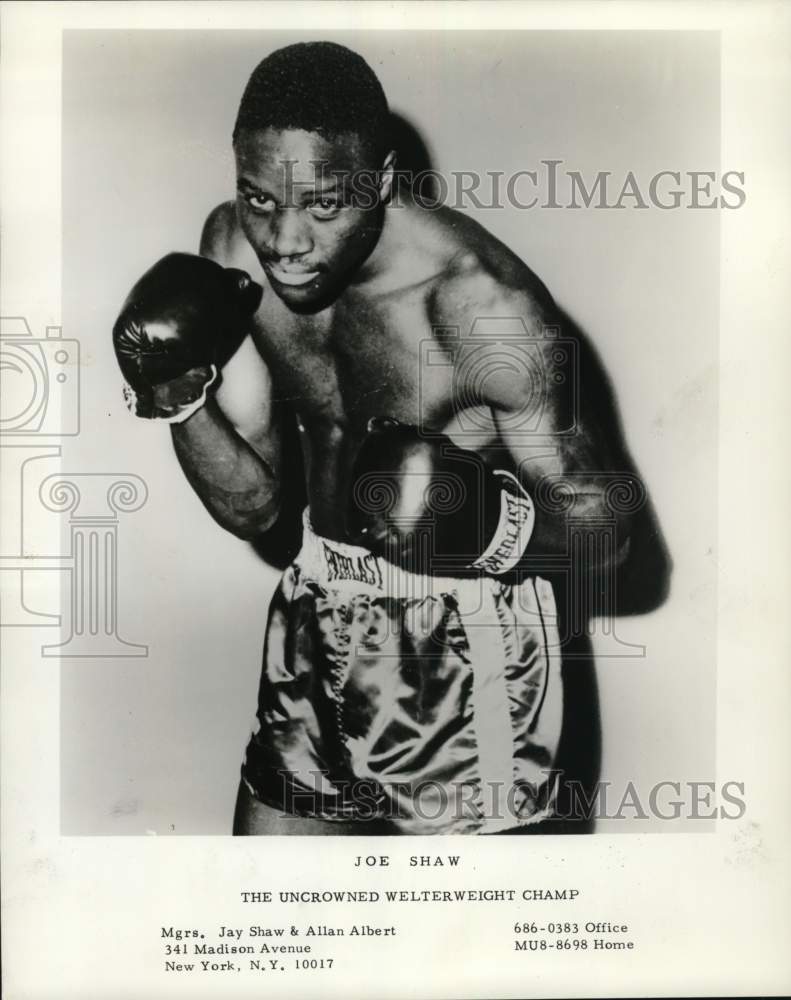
[(530, 415), (245, 397), (545, 422)]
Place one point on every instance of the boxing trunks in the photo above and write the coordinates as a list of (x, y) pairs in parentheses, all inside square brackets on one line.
[(433, 703)]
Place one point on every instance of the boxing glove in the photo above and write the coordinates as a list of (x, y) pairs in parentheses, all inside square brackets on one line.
[(434, 508), (180, 323)]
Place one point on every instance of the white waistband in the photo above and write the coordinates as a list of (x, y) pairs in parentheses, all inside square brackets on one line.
[(354, 568)]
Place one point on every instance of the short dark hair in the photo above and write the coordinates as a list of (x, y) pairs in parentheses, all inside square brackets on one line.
[(319, 87)]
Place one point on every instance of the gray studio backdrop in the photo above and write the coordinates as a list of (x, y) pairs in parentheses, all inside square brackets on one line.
[(154, 744)]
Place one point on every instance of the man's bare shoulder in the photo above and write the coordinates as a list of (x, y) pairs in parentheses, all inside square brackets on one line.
[(222, 239), (484, 278)]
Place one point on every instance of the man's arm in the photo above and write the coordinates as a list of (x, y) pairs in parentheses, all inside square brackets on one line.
[(230, 449), (559, 438)]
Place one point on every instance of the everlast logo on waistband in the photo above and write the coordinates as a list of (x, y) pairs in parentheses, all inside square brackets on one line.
[(517, 516), (364, 569)]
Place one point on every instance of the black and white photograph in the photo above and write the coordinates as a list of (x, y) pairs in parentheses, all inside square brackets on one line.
[(393, 350), (378, 433)]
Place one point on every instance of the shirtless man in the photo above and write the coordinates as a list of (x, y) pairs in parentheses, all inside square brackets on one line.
[(396, 696)]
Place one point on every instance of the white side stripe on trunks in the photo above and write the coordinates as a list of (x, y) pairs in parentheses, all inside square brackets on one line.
[(492, 719)]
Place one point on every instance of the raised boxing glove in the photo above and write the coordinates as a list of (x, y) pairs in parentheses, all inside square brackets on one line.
[(179, 325), (434, 508)]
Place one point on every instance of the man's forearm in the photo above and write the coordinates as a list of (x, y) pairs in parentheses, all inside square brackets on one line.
[(575, 496), (238, 488), (588, 514)]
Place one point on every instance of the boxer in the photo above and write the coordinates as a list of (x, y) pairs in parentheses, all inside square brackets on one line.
[(411, 678)]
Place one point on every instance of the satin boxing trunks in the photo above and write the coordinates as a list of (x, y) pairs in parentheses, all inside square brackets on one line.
[(434, 703)]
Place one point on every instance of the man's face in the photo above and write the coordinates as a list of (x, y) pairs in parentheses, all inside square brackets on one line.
[(294, 202)]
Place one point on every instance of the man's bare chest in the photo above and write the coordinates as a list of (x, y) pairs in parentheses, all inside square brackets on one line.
[(357, 360)]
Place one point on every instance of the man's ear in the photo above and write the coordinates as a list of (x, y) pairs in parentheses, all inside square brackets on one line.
[(387, 175)]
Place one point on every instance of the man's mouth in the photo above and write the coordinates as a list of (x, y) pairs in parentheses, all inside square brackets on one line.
[(290, 277)]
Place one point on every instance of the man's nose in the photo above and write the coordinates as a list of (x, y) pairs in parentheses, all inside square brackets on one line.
[(289, 236)]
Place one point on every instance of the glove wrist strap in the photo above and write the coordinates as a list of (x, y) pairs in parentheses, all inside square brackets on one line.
[(171, 411), (517, 520)]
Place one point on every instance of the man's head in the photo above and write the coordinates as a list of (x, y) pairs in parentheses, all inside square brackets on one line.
[(313, 168)]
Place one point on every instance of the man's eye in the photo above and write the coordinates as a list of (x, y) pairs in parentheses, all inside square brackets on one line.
[(325, 208), (259, 203)]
